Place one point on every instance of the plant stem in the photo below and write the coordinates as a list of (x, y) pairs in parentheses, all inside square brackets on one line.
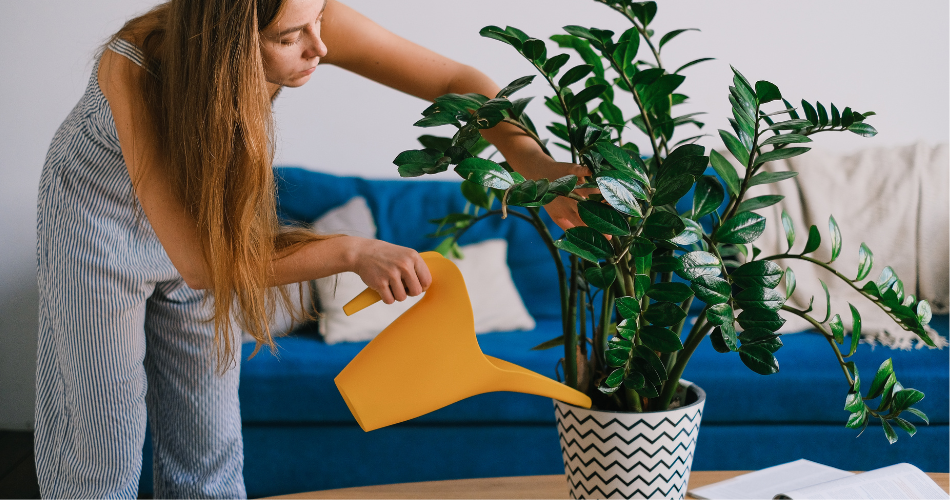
[(828, 336), (695, 337), (570, 332), (600, 334)]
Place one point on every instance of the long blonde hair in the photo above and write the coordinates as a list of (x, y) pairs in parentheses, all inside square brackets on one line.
[(209, 100)]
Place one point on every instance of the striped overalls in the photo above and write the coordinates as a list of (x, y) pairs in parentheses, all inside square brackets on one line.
[(121, 336)]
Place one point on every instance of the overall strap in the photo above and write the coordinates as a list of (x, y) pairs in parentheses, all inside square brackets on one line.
[(133, 53)]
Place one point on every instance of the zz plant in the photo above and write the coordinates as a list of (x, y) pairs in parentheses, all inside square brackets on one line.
[(617, 273)]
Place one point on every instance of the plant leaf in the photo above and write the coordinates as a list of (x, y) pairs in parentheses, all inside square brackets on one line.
[(863, 129), (726, 171), (889, 432), (745, 227), (590, 240), (760, 318), (628, 307), (814, 240), (770, 177), (790, 282), (759, 202), (669, 292), (865, 262), (574, 75), (786, 139), (763, 273), (789, 229), (557, 341), (698, 263), (759, 359), (880, 378), (662, 226), (837, 328), (779, 154), (720, 314), (603, 218), (767, 92), (759, 298), (621, 193), (707, 197), (660, 339), (711, 289), (735, 147), (484, 172), (669, 36)]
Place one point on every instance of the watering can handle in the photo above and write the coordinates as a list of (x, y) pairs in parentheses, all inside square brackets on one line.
[(365, 299)]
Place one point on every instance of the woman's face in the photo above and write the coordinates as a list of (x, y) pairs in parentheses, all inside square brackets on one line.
[(291, 46)]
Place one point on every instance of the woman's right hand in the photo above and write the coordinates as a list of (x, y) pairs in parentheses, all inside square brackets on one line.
[(395, 272)]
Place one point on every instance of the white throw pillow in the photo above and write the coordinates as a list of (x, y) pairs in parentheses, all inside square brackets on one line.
[(353, 218), (495, 300)]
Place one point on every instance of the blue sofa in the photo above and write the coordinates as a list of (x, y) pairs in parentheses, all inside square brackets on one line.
[(299, 435)]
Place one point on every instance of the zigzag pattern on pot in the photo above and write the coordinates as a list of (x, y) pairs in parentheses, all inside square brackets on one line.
[(628, 455)]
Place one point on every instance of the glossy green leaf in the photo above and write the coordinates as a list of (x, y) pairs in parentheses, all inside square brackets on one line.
[(591, 241), (837, 328), (794, 124), (790, 282), (889, 432), (887, 278), (779, 154), (905, 398), (647, 354), (621, 193), (586, 95), (550, 344), (484, 172), (863, 129), (853, 402), (660, 339), (499, 34), (662, 226), (763, 273), (835, 116), (789, 229), (669, 291), (822, 115), (666, 264), (810, 112), (693, 62), (827, 301), (761, 337), (707, 197), (711, 289), (616, 357), (865, 262), (740, 152), (641, 282), (641, 247), (767, 92), (603, 218), (760, 318), (670, 189), (907, 427), (720, 314), (475, 194), (759, 359), (814, 240), (835, 233), (628, 307), (921, 415), (786, 139), (574, 75), (726, 172), (745, 227), (698, 263), (554, 64), (718, 341), (759, 202), (692, 234), (615, 378), (621, 160), (601, 277), (759, 298), (669, 36), (664, 314), (924, 313), (770, 177), (634, 381), (880, 378), (857, 419), (516, 85), (855, 330)]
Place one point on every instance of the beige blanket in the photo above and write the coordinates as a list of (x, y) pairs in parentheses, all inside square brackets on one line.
[(893, 199)]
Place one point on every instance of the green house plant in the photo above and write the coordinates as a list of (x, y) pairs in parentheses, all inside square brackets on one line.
[(623, 312)]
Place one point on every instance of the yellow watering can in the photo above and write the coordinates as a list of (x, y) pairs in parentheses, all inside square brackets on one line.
[(429, 358)]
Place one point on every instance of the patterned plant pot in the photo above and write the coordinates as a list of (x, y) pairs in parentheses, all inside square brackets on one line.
[(630, 455)]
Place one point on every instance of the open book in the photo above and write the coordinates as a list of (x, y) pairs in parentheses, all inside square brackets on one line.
[(803, 479)]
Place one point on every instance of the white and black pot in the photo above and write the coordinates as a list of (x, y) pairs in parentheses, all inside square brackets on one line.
[(630, 455)]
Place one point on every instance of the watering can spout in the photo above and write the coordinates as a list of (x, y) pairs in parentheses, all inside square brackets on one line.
[(429, 358)]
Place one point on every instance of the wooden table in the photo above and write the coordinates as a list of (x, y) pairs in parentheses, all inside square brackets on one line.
[(510, 487)]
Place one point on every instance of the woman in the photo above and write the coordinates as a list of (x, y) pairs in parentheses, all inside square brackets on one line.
[(157, 198)]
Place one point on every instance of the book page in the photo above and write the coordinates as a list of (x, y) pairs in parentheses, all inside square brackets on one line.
[(767, 483), (896, 481)]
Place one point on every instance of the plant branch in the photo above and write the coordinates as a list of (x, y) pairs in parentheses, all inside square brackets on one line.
[(828, 336)]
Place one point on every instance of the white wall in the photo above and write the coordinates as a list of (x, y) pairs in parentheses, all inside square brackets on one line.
[(872, 55)]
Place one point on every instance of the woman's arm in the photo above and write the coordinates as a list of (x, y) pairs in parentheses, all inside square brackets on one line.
[(389, 269), (357, 44)]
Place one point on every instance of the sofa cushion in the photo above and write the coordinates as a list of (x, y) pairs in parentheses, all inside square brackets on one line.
[(297, 385)]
